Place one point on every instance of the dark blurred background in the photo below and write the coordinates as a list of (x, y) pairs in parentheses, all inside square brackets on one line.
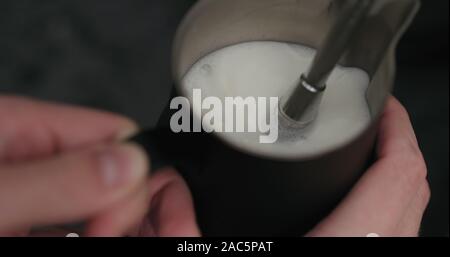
[(115, 55)]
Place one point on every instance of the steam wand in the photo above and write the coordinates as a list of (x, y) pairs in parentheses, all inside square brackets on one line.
[(301, 107)]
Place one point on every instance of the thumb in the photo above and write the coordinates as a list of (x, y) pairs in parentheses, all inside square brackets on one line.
[(69, 187)]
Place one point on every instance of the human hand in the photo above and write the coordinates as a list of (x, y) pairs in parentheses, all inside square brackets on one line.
[(392, 196), (61, 164), (171, 212)]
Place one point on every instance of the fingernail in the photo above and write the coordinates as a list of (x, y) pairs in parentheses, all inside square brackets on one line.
[(121, 165), (127, 132)]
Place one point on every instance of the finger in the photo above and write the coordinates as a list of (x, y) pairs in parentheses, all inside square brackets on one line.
[(411, 222), (378, 201), (120, 218), (15, 233), (396, 134), (171, 210), (68, 187), (32, 129), (52, 232)]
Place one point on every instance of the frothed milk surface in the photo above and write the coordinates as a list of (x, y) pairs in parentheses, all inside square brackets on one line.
[(271, 69)]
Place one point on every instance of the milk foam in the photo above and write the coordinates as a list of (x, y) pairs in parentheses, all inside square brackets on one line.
[(271, 69)]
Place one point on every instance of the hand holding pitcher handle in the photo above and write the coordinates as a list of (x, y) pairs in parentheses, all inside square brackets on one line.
[(61, 164)]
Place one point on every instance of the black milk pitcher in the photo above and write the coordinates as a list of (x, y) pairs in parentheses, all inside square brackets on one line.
[(238, 192)]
